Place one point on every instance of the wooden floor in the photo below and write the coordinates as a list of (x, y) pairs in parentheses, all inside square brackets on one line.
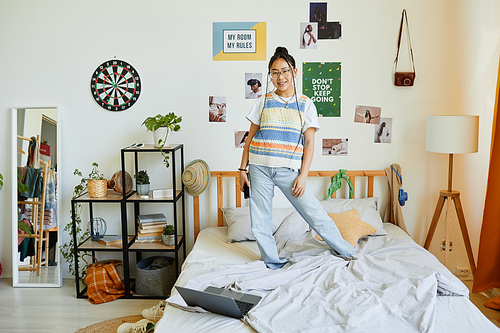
[(478, 299), (44, 310)]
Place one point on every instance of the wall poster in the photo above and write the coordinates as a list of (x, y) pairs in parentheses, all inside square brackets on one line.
[(217, 109), (367, 114), (321, 83), (239, 41), (308, 35), (253, 82), (383, 132), (326, 30), (335, 147)]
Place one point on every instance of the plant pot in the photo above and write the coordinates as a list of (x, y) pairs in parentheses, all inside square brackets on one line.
[(168, 240), (97, 188), (142, 189), (161, 133)]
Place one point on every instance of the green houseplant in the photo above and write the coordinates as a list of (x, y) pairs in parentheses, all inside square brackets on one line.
[(162, 126), (142, 182), (168, 235), (21, 189), (67, 249), (97, 185)]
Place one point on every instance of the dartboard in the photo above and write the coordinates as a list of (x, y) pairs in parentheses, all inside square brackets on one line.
[(115, 85)]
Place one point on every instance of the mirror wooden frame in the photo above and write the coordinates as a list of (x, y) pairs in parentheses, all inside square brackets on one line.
[(57, 281)]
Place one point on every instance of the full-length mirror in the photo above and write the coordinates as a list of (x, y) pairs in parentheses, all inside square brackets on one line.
[(35, 211)]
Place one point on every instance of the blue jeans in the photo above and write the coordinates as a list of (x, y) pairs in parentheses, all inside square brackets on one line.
[(262, 182)]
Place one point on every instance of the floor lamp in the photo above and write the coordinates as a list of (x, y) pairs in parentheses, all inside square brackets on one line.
[(451, 135)]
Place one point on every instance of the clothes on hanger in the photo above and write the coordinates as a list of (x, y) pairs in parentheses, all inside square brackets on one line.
[(50, 216), (22, 232), (34, 182), (27, 247), (47, 217), (33, 153), (50, 190), (21, 171)]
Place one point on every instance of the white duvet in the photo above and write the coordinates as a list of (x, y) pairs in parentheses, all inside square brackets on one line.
[(391, 286)]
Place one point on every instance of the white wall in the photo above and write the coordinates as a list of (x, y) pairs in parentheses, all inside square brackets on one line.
[(50, 48)]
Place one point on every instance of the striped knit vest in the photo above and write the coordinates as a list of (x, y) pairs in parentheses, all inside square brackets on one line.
[(279, 140)]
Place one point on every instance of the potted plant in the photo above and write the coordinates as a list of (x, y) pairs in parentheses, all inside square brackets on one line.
[(21, 188), (168, 235), (67, 249), (161, 126), (142, 182), (97, 185)]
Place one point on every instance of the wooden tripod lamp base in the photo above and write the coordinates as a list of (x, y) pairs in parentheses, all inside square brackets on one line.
[(454, 134), (455, 197)]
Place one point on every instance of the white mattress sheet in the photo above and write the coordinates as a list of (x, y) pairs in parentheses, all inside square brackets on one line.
[(453, 314)]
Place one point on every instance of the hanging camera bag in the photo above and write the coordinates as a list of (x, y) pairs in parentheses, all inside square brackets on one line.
[(404, 79)]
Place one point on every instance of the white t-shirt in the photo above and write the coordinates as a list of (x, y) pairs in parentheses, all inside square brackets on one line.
[(310, 118), (308, 38), (384, 137), (254, 95)]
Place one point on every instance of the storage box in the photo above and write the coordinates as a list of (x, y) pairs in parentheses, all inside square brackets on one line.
[(155, 282), (166, 193)]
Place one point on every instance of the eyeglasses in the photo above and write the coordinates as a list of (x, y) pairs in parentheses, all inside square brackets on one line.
[(284, 73)]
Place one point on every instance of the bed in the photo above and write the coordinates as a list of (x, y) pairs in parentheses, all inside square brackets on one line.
[(392, 285)]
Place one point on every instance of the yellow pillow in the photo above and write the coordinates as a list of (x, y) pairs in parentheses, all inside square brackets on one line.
[(350, 226)]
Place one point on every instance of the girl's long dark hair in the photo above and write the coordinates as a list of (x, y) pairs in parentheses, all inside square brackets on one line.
[(380, 130), (303, 35)]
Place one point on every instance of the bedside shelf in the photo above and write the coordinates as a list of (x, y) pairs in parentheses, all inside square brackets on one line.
[(137, 197), (90, 245), (177, 217), (111, 196), (156, 246)]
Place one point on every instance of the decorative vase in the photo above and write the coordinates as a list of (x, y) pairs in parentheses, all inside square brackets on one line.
[(142, 189), (168, 240), (161, 133), (115, 183)]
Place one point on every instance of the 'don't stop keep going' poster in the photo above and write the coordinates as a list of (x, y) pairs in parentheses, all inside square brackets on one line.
[(321, 83)]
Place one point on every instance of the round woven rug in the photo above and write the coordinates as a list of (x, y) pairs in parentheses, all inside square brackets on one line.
[(109, 326)]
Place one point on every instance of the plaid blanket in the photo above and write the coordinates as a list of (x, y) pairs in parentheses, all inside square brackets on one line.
[(103, 282)]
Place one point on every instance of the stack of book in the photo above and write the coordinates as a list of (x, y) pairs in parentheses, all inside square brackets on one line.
[(109, 240), (150, 227)]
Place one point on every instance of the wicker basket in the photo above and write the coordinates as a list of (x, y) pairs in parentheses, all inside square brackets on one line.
[(97, 188)]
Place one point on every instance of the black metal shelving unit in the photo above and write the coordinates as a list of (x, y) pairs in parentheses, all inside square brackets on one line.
[(132, 198)]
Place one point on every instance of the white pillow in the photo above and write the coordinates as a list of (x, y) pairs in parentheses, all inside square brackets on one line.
[(292, 228), (366, 207), (240, 227)]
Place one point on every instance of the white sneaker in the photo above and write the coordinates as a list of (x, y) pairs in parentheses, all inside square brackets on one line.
[(154, 313), (142, 326)]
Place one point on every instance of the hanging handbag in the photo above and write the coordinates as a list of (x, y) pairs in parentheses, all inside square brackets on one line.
[(404, 79)]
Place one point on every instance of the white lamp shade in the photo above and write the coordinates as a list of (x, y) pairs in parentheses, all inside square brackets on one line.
[(452, 134)]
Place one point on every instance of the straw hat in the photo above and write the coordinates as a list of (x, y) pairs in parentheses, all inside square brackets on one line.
[(196, 177)]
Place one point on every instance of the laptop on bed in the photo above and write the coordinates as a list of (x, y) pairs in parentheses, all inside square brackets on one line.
[(219, 300)]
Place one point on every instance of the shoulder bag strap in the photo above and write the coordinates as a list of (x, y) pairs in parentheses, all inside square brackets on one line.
[(404, 19)]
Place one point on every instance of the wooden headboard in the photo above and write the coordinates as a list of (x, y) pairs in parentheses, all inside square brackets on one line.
[(220, 175)]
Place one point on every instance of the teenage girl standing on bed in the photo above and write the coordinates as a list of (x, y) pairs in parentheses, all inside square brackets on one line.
[(278, 152)]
